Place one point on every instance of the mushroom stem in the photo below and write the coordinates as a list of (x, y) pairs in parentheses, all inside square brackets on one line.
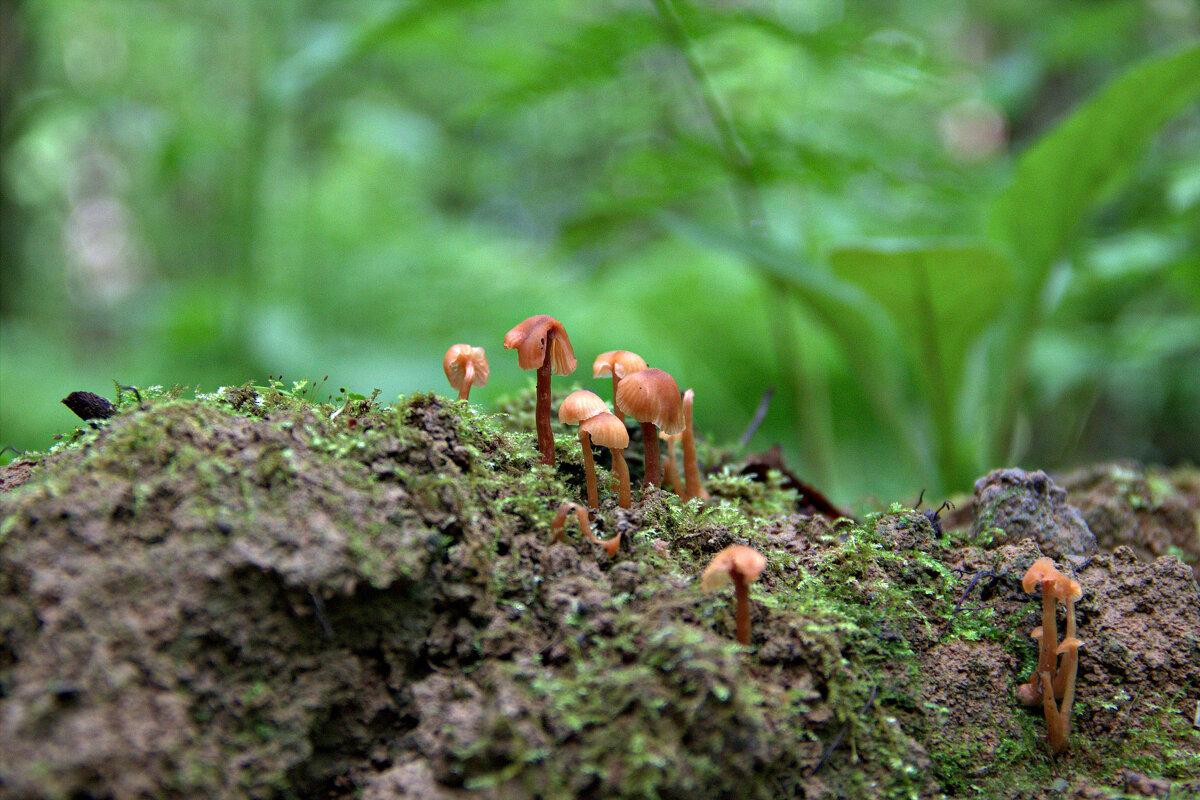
[(672, 470), (589, 468), (1046, 657), (617, 409), (653, 459), (468, 378), (544, 434), (1055, 724), (691, 470), (1070, 659), (742, 592), (622, 471), (560, 521)]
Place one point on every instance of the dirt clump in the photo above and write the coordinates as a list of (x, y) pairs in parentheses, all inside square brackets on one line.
[(250, 595)]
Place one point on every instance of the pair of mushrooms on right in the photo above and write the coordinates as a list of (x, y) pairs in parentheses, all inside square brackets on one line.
[(1051, 677)]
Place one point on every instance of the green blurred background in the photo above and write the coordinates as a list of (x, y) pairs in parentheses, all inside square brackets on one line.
[(951, 235)]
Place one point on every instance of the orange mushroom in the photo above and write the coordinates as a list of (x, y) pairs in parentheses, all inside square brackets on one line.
[(1050, 679), (465, 366), (577, 407), (606, 430), (541, 343), (652, 398), (560, 521), (742, 565), (618, 364)]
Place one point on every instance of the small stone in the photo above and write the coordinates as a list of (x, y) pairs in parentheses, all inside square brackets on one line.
[(1029, 504)]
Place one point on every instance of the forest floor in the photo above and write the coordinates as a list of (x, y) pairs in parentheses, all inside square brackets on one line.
[(253, 595)]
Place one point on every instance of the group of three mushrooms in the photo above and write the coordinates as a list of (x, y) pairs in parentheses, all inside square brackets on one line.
[(650, 396)]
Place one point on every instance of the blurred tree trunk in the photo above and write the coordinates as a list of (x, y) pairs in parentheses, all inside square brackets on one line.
[(14, 57)]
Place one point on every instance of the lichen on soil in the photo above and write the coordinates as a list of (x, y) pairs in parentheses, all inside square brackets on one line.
[(254, 595)]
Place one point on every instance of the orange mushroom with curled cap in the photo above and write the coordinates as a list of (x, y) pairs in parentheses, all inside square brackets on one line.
[(465, 366), (652, 398), (577, 407), (541, 343), (742, 565), (618, 364)]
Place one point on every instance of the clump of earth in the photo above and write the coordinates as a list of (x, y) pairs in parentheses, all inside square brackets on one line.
[(253, 595)]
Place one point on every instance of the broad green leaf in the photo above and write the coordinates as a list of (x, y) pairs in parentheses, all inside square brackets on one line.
[(939, 293), (1069, 170)]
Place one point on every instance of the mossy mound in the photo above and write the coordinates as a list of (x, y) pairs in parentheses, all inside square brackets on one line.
[(255, 595)]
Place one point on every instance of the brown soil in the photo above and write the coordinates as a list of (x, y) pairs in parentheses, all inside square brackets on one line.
[(245, 597)]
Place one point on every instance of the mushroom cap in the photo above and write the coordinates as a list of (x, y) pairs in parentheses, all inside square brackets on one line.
[(580, 405), (528, 338), (454, 363), (1040, 571), (617, 362), (1068, 589), (606, 430), (736, 562), (1068, 644), (652, 396)]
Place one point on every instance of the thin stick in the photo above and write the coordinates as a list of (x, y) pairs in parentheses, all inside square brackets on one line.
[(759, 415)]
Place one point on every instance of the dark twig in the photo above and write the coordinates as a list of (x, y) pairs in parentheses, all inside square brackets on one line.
[(10, 447), (759, 416), (837, 740), (970, 586), (137, 395)]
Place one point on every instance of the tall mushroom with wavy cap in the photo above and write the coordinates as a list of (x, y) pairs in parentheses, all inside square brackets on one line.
[(652, 398), (618, 364), (465, 366), (541, 343), (742, 565), (577, 407), (606, 430)]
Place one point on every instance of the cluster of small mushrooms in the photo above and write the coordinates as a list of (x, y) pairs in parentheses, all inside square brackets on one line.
[(650, 396), (1052, 678)]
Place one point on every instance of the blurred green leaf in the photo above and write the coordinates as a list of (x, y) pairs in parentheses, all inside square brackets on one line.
[(940, 295), (1069, 170)]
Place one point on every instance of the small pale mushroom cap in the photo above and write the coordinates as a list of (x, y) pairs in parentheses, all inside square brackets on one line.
[(652, 396), (580, 405), (606, 430), (1068, 644), (455, 364), (528, 338), (738, 559), (617, 362), (1040, 571), (1068, 589)]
